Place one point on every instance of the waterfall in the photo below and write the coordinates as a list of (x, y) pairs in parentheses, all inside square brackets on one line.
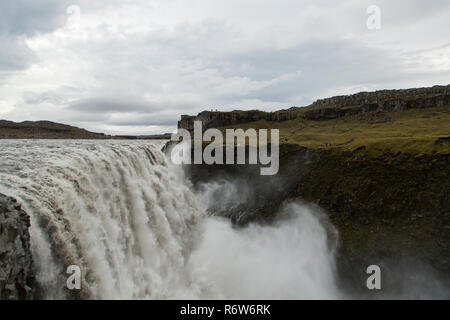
[(137, 230)]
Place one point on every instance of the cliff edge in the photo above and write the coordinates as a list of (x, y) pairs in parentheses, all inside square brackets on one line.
[(16, 275), (377, 163), (331, 108)]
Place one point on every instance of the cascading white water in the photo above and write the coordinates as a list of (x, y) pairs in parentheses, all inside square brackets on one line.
[(130, 221)]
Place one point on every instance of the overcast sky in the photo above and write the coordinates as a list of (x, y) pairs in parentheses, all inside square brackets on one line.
[(134, 66)]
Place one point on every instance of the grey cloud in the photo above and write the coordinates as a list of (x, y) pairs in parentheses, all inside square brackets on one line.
[(15, 54), (406, 11), (25, 18), (126, 112), (108, 105), (149, 76), (324, 64), (168, 118), (44, 97), (28, 17), (148, 120), (123, 104)]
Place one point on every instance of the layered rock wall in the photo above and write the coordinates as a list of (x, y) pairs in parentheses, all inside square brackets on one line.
[(330, 108), (16, 274)]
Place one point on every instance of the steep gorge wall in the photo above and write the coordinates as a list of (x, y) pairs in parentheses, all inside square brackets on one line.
[(385, 97), (392, 208), (16, 275), (392, 211)]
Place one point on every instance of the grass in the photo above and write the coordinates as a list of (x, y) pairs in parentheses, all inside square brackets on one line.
[(414, 131)]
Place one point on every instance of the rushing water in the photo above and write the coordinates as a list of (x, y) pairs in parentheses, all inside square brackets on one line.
[(131, 222)]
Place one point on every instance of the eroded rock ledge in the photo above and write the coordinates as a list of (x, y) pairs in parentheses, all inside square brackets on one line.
[(16, 274), (330, 108)]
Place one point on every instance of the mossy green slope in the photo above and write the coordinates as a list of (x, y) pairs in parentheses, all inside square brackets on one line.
[(415, 131)]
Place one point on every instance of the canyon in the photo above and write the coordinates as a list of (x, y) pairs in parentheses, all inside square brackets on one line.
[(376, 166)]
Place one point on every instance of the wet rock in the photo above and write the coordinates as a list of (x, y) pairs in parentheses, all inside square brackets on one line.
[(16, 274)]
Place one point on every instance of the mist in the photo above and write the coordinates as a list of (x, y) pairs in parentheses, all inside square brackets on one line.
[(291, 259), (295, 256)]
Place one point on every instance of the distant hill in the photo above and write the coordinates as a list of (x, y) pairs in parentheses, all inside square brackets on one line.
[(53, 130), (45, 130)]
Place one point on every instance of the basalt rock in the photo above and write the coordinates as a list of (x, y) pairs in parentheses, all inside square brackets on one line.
[(392, 210), (362, 103), (16, 274)]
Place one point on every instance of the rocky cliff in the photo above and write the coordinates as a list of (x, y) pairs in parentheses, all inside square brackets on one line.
[(330, 108), (378, 164), (392, 211), (16, 275)]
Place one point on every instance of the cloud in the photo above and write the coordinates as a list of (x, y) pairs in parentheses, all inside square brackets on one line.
[(134, 66), (122, 111), (15, 54), (20, 19), (111, 104), (29, 17)]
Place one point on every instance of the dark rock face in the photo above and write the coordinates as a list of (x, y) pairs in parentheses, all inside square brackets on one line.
[(330, 108), (389, 209), (389, 100), (16, 275), (392, 210), (214, 119)]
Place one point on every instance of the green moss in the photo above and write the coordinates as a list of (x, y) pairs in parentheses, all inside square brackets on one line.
[(383, 180), (413, 131), (395, 203)]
